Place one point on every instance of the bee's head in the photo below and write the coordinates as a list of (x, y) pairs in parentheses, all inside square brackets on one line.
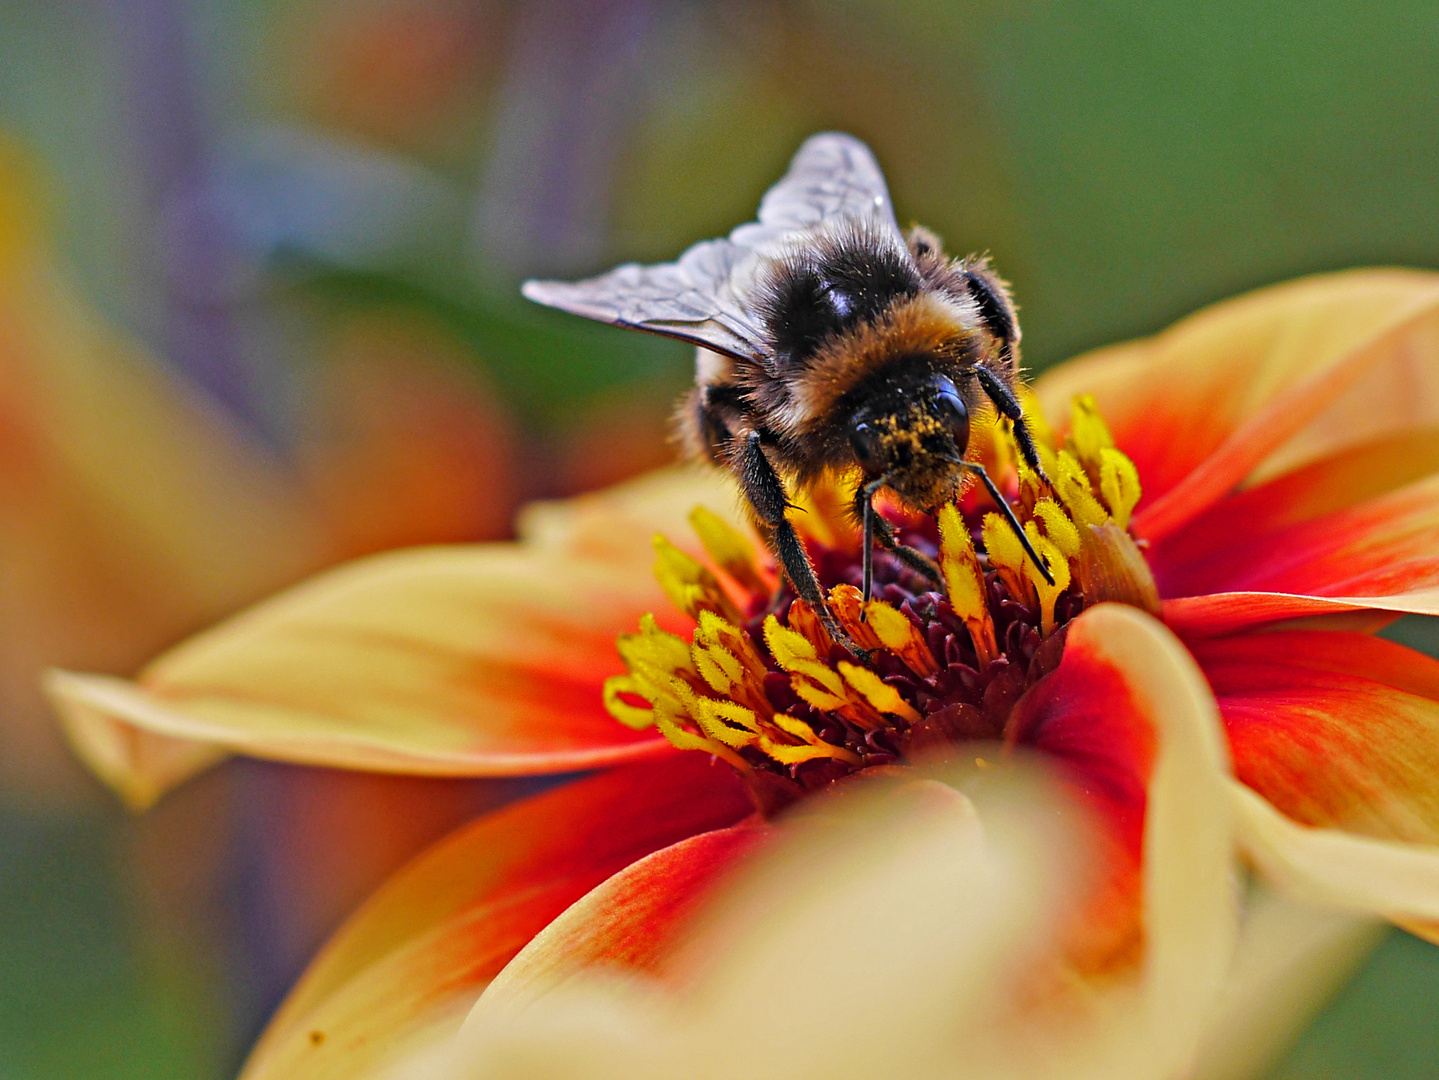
[(913, 432)]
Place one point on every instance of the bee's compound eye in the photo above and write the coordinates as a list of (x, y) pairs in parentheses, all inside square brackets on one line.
[(864, 438), (953, 413)]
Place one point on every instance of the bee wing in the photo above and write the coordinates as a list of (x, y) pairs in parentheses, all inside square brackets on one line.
[(690, 299), (832, 176), (704, 296)]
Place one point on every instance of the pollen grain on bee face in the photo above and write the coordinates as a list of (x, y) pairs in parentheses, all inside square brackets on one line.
[(762, 685)]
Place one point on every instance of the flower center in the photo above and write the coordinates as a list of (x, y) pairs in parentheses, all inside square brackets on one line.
[(761, 684)]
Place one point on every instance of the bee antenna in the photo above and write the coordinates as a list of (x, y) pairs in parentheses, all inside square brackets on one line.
[(1009, 516)]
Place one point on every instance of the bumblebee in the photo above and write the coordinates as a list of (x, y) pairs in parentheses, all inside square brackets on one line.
[(828, 340)]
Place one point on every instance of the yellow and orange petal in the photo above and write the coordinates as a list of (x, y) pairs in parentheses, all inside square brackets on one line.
[(410, 962), (465, 661)]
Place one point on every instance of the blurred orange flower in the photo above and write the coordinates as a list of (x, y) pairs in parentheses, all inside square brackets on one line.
[(1262, 476)]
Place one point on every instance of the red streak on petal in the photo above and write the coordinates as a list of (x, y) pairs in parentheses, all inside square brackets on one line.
[(1333, 728)]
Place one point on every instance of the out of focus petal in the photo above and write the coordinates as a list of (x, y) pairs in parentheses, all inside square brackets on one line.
[(606, 524), (404, 969), (634, 919), (483, 661), (1337, 869), (1262, 384)]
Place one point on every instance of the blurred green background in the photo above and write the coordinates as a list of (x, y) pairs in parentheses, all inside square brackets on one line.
[(299, 226)]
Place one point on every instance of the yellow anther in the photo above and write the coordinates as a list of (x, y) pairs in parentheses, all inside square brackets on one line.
[(654, 646), (1088, 431), (688, 740), (1072, 483), (1118, 484), (666, 691), (900, 636), (1057, 526), (877, 692), (793, 755), (964, 583), (817, 696), (1007, 555), (726, 721), (1058, 566), (690, 587), (785, 645), (631, 716), (718, 667), (729, 548), (798, 728)]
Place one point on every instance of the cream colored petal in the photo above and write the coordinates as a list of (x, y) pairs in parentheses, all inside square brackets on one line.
[(616, 524), (1191, 914), (1290, 960), (1337, 869), (481, 660)]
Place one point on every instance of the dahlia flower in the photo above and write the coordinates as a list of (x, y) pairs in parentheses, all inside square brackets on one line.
[(1238, 503)]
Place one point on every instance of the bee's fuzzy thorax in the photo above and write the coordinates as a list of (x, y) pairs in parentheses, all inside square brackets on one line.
[(928, 324)]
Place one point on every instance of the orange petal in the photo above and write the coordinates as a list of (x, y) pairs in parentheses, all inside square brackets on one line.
[(406, 967), (633, 919), (1367, 514), (1263, 383), (483, 661), (1334, 729)]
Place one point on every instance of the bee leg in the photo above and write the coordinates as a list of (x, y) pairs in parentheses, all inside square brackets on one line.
[(1005, 401), (879, 529), (765, 492), (1004, 506)]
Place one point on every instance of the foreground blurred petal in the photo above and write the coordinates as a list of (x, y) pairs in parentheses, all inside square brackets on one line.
[(1337, 869), (402, 971), (632, 920), (1309, 366), (1129, 710), (1290, 960), (1333, 728), (484, 661)]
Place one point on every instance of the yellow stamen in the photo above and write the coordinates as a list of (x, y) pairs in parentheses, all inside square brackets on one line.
[(1057, 526), (690, 587), (729, 548), (654, 646), (688, 740), (1072, 484), (901, 637), (816, 683), (1118, 484), (1088, 433), (964, 583), (1058, 567), (631, 716), (1007, 555), (877, 692)]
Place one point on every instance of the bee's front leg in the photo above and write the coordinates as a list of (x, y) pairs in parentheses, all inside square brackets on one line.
[(765, 491), (882, 531)]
